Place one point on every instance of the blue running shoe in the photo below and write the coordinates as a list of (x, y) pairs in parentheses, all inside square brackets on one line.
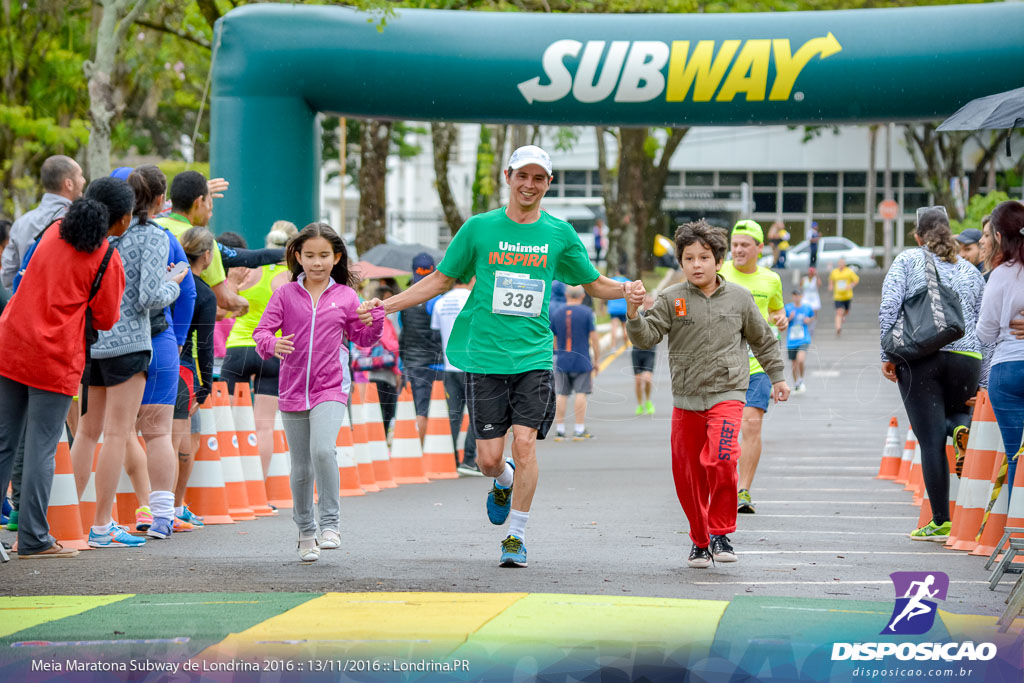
[(513, 552), (5, 511), (499, 501), (117, 537), (161, 527), (191, 517)]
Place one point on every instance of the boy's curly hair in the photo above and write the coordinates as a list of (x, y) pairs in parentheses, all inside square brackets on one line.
[(708, 235)]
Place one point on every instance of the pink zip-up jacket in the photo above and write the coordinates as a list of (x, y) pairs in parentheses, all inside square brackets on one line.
[(312, 373)]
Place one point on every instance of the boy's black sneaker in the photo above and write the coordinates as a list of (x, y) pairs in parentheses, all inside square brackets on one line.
[(722, 550), (699, 557)]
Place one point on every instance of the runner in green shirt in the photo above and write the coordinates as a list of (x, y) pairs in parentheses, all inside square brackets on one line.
[(766, 287), (502, 337)]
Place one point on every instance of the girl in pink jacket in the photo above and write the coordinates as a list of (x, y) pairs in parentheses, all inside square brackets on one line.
[(315, 312)]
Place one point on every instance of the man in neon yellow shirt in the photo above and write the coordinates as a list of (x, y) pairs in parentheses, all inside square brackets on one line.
[(841, 282), (502, 338), (766, 288), (192, 205)]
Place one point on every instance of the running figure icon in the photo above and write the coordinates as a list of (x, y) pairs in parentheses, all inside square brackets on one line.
[(916, 607)]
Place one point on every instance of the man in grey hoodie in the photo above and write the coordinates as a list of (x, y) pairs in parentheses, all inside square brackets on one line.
[(63, 182)]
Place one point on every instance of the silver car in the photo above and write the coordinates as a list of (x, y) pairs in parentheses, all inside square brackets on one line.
[(830, 249)]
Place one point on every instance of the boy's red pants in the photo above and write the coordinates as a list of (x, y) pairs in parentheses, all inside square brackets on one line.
[(705, 452)]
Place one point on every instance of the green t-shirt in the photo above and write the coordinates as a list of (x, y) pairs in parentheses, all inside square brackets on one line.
[(178, 225), (521, 260), (766, 286)]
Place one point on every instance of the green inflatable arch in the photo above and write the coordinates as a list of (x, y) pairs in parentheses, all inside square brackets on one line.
[(277, 66)]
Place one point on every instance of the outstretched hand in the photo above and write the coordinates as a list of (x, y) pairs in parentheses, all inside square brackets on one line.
[(217, 187)]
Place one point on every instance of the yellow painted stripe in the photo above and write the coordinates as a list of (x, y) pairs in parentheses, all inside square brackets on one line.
[(20, 613), (567, 621), (398, 624), (975, 627), (611, 359)]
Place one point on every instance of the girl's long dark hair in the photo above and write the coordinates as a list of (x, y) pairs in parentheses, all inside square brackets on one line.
[(341, 272), (85, 225), (1008, 222)]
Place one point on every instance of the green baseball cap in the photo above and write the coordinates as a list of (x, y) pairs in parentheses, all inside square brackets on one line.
[(750, 229)]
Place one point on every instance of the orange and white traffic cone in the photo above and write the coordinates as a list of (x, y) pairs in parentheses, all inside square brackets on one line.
[(345, 452), (249, 452), (438, 447), (205, 491), (406, 450), (994, 518), (364, 461), (230, 460), (908, 457), (63, 515), (1015, 513), (279, 488), (915, 481), (891, 454), (376, 439), (982, 445)]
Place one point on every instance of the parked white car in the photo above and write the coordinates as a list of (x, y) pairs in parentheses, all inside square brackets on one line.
[(830, 249)]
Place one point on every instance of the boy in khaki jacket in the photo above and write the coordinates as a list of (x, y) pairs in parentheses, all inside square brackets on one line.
[(709, 324)]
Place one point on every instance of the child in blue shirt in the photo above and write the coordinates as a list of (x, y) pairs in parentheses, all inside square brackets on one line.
[(798, 336)]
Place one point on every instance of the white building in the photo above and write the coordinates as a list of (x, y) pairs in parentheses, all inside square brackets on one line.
[(724, 173)]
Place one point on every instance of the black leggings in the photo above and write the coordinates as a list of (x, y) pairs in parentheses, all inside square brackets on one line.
[(935, 391)]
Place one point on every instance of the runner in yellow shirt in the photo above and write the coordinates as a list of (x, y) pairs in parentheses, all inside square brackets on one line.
[(841, 282), (766, 287)]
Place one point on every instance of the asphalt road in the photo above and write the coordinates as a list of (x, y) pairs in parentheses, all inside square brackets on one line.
[(605, 520)]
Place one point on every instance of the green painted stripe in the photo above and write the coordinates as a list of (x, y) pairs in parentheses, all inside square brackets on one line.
[(21, 613)]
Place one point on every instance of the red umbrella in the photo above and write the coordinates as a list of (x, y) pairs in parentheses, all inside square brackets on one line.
[(369, 271)]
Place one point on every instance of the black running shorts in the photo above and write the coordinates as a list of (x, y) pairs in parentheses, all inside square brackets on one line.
[(242, 362), (500, 401)]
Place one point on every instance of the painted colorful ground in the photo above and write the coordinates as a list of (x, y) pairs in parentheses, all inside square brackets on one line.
[(461, 636)]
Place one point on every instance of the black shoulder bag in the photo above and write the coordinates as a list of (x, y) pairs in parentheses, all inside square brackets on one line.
[(929, 320)]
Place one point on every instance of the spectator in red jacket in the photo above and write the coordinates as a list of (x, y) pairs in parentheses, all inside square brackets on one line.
[(42, 333)]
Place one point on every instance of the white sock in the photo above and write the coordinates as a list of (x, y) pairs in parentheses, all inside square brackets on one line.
[(102, 530), (580, 429), (517, 524), (161, 503), (560, 428), (506, 478), (179, 510)]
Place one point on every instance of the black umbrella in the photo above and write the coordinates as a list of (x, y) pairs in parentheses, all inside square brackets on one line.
[(995, 112), (399, 256)]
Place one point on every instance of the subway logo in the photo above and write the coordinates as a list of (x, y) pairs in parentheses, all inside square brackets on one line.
[(701, 71)]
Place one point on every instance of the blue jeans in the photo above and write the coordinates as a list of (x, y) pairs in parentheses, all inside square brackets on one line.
[(1006, 392)]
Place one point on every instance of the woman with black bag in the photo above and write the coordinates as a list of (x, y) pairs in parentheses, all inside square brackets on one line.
[(930, 303)]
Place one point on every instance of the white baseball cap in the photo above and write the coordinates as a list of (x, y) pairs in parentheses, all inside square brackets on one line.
[(530, 154)]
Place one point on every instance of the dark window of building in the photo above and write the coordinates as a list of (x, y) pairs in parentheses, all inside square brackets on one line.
[(574, 177), (853, 202), (825, 202), (855, 179), (794, 179), (575, 191), (766, 179), (912, 201), (909, 180), (700, 178), (764, 202), (673, 179), (731, 179), (826, 179), (794, 202)]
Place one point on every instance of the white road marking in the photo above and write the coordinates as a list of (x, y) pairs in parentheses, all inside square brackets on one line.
[(846, 582), (762, 515)]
